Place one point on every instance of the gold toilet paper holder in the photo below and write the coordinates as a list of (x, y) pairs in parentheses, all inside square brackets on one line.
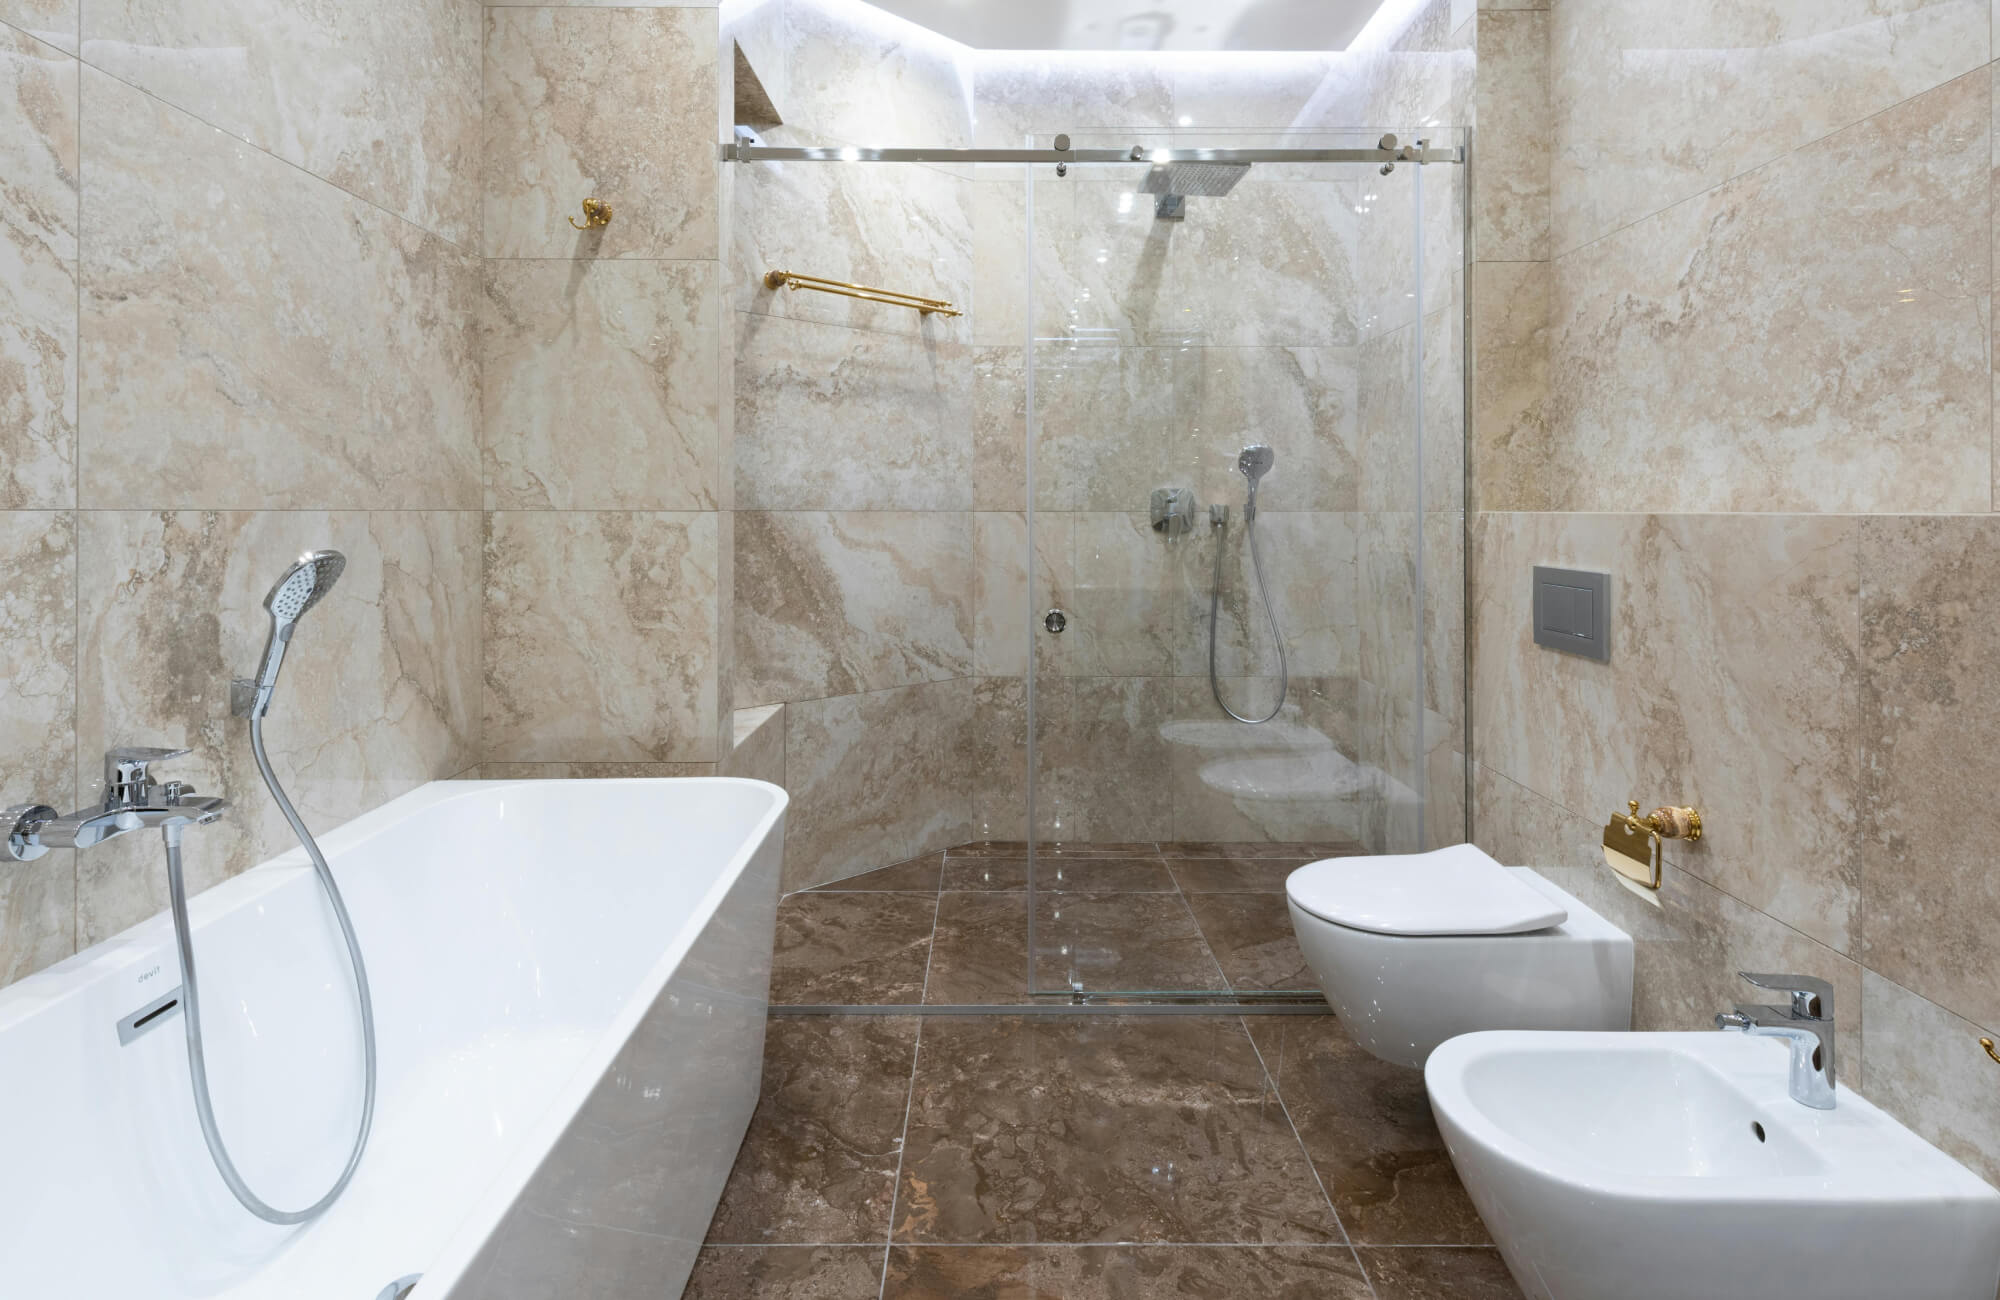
[(1632, 843)]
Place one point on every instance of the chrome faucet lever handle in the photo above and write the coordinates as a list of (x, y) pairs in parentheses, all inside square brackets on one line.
[(1812, 997), (126, 773)]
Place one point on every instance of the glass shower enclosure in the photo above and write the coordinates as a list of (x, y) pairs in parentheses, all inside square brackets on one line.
[(1219, 450), (1245, 378)]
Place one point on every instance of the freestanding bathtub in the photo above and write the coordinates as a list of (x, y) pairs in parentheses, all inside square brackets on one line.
[(570, 984)]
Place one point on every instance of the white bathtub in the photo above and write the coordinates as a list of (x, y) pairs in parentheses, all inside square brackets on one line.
[(570, 984)]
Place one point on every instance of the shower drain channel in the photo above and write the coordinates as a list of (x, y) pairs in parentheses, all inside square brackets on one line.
[(401, 1287)]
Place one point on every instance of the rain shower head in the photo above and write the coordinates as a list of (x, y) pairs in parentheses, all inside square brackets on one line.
[(1176, 182), (304, 585)]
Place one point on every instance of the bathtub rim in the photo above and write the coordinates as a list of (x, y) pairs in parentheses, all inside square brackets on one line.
[(77, 975)]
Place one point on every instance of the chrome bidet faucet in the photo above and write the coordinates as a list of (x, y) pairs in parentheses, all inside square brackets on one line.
[(1806, 1026), (133, 801)]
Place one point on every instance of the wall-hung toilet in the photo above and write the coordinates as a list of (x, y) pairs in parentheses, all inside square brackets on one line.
[(1412, 950)]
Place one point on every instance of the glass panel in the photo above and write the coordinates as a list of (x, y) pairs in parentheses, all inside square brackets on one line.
[(1229, 699)]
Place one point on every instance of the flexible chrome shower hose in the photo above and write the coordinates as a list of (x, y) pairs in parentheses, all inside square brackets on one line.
[(1271, 614), (191, 1009)]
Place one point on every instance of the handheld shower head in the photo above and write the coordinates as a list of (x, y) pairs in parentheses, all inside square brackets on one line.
[(304, 585), (1255, 462)]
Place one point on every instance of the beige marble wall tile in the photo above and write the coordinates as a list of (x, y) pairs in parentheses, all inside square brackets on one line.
[(1294, 778), (1105, 767), (1656, 103), (1510, 218), (1000, 432), (1290, 92), (759, 750), (38, 225), (904, 227), (1310, 571), (876, 779), (586, 771), (1930, 903), (1386, 445), (858, 76), (51, 21), (1000, 287), (603, 386), (842, 603), (1272, 264), (835, 418), (38, 728), (380, 97), (1516, 460), (292, 350), (1687, 952), (758, 29), (379, 692), (613, 102), (998, 748), (1106, 426), (1926, 1067), (1133, 608), (1426, 75), (1694, 706), (601, 637), (1006, 613), (1019, 93), (1808, 337), (1302, 402)]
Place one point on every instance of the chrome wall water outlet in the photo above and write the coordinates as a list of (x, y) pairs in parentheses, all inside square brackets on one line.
[(132, 801), (1055, 621), (1174, 510)]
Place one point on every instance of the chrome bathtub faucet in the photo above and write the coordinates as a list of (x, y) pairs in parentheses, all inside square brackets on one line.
[(1806, 1026), (133, 801)]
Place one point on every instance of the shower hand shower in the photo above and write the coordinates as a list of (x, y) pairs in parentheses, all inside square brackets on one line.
[(304, 585), (1254, 463)]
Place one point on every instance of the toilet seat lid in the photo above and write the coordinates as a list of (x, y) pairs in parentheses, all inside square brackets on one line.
[(1458, 890)]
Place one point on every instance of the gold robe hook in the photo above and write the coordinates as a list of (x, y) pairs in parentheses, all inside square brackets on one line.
[(596, 215)]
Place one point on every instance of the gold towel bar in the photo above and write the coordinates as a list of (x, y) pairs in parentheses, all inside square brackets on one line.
[(887, 297)]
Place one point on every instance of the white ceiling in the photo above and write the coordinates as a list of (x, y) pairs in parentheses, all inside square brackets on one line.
[(1141, 24)]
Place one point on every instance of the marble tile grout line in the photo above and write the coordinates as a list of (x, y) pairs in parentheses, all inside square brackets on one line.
[(1271, 1078), (902, 1150)]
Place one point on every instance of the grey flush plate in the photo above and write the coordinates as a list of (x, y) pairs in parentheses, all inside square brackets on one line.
[(1573, 612)]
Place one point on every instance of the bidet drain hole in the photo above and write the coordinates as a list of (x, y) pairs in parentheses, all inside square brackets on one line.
[(1757, 1130)]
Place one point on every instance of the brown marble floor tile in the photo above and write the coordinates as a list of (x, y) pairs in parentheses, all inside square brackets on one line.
[(1104, 942), (1254, 849), (786, 1273), (1104, 1129), (917, 876), (1367, 1126), (1124, 1273), (980, 954), (1061, 874), (1252, 939), (1054, 849), (1433, 1272), (852, 948), (819, 1161), (1233, 875)]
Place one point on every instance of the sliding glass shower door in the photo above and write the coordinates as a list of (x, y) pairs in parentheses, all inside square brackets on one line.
[(1245, 537)]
